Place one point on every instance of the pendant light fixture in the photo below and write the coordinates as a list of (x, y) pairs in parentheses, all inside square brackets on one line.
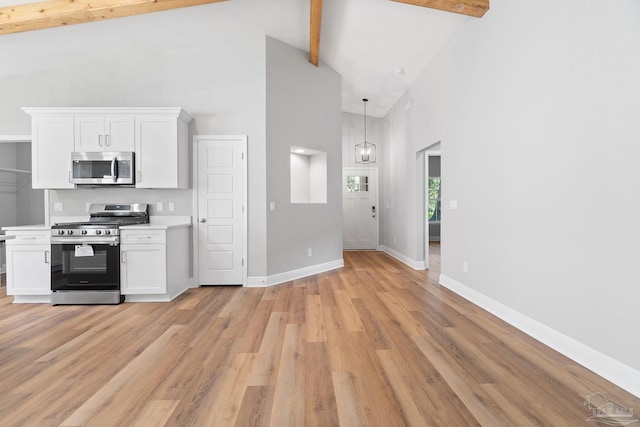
[(365, 152)]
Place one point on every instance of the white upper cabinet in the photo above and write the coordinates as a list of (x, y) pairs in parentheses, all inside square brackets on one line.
[(162, 149), (94, 132), (158, 136), (51, 147)]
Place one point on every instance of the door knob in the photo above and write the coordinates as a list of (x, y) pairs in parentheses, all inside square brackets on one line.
[(203, 220)]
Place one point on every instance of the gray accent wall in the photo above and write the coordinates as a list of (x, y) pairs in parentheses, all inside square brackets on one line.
[(548, 96), (303, 109)]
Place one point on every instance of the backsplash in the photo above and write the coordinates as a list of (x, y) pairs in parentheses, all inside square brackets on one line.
[(74, 202)]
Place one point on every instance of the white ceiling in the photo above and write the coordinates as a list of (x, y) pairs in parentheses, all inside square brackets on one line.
[(378, 46)]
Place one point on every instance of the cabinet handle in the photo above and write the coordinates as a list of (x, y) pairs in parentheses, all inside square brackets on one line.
[(139, 176), (100, 140), (46, 257), (69, 176), (107, 140), (123, 257)]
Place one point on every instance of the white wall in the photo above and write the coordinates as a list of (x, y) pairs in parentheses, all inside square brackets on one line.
[(318, 178), (548, 95), (299, 178), (303, 109)]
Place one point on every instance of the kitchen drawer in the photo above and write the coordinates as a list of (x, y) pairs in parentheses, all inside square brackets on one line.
[(28, 237), (142, 236)]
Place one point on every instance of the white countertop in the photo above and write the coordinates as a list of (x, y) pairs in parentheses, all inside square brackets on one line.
[(162, 223), (37, 227), (156, 223)]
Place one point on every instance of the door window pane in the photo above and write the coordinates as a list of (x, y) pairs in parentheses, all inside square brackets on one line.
[(357, 183)]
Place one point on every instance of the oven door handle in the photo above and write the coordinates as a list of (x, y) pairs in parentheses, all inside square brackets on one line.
[(113, 170), (83, 240)]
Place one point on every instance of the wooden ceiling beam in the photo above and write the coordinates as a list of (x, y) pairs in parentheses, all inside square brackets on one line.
[(475, 8), (55, 13), (314, 32)]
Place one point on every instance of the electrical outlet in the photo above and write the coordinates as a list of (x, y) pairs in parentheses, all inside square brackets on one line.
[(395, 240), (58, 207), (159, 207), (272, 206), (309, 252), (172, 206), (453, 204)]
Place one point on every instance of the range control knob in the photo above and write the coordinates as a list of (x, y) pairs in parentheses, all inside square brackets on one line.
[(60, 231), (107, 232), (84, 231), (70, 232), (98, 232)]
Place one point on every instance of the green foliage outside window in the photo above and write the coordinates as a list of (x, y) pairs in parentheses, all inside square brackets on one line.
[(434, 199)]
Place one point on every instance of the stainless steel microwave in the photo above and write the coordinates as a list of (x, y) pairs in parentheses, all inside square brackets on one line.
[(102, 168)]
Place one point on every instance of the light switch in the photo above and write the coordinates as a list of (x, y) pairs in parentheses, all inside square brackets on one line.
[(172, 206), (453, 204), (58, 207), (159, 207), (272, 206)]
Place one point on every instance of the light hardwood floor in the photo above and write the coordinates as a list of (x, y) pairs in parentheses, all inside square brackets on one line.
[(372, 344)]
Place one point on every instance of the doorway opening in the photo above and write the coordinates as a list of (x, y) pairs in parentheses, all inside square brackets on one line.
[(431, 184)]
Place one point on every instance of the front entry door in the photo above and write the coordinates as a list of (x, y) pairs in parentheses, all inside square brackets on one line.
[(360, 208), (221, 231)]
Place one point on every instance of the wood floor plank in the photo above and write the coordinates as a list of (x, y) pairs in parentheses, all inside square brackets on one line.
[(375, 343), (314, 325), (268, 360), (256, 407), (289, 391), (155, 413), (132, 372), (350, 411), (320, 398)]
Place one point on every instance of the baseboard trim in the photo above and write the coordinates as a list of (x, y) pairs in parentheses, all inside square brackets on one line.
[(416, 265), (32, 299), (618, 373), (264, 281)]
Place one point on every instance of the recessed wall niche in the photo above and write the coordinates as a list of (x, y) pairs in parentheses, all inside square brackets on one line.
[(308, 169)]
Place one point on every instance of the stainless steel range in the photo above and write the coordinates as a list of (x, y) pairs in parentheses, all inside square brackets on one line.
[(85, 267)]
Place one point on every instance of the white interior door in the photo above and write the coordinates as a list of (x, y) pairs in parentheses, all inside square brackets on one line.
[(360, 208), (221, 231)]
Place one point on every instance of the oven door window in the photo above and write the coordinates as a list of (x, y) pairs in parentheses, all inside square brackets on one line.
[(92, 267), (86, 169)]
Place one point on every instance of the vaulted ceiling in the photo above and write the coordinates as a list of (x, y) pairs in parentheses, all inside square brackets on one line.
[(379, 46)]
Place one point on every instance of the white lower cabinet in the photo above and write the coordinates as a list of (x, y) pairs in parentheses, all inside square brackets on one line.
[(150, 265), (29, 264)]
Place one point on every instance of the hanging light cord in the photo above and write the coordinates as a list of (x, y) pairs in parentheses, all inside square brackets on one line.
[(365, 121)]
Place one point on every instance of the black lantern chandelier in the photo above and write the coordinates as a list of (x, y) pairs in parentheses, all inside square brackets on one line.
[(365, 152)]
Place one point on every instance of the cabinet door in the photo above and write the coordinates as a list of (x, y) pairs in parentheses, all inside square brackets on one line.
[(143, 269), (119, 133), (161, 152), (28, 269), (89, 133), (156, 152), (100, 133), (51, 151)]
